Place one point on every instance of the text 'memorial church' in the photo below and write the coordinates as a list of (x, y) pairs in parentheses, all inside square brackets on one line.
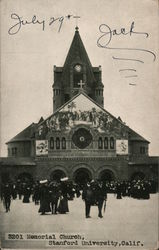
[(80, 139)]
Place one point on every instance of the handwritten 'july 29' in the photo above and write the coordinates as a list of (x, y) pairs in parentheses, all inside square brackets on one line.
[(20, 22)]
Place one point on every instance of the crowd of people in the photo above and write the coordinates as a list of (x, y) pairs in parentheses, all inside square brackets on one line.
[(53, 196)]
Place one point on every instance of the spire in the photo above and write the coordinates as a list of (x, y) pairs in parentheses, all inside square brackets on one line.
[(76, 28), (77, 54)]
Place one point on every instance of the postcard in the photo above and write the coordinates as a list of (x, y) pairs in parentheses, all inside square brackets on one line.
[(79, 124)]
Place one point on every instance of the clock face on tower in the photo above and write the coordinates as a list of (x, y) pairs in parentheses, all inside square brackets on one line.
[(82, 138), (78, 68)]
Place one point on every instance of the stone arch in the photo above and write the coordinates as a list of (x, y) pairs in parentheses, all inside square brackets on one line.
[(57, 175), (57, 172), (106, 173), (138, 175), (82, 173), (82, 125), (83, 165)]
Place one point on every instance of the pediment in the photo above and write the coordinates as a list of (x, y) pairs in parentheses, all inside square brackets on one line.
[(82, 110)]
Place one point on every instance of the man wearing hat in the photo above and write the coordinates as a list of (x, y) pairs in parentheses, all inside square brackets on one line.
[(54, 193), (101, 195), (44, 198), (88, 197), (6, 194)]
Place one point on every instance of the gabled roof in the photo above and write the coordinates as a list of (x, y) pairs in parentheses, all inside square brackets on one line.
[(133, 136), (28, 133), (72, 99), (77, 53), (25, 135)]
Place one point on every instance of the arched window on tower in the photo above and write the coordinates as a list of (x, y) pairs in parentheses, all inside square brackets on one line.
[(57, 143), (100, 143), (63, 143), (51, 143), (111, 142), (106, 143)]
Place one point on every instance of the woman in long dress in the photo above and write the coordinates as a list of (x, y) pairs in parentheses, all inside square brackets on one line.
[(63, 205), (26, 193)]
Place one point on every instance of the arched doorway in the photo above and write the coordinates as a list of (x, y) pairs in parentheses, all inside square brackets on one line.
[(106, 175), (25, 177), (138, 176), (82, 175), (56, 175)]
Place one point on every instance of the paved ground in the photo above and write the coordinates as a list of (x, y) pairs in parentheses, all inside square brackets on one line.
[(128, 220)]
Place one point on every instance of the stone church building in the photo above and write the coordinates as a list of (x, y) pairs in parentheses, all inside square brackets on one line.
[(80, 140)]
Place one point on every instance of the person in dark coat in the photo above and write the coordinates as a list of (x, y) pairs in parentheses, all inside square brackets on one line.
[(19, 189), (36, 194), (44, 198), (77, 190), (6, 194), (63, 204), (26, 193), (88, 197), (118, 191), (123, 188), (145, 191), (54, 193), (100, 196), (14, 192)]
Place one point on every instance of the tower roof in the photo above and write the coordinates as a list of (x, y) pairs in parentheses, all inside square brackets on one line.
[(77, 54)]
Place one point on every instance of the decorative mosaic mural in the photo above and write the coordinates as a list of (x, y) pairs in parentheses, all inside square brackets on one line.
[(82, 111)]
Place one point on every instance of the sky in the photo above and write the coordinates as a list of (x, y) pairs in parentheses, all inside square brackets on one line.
[(129, 31)]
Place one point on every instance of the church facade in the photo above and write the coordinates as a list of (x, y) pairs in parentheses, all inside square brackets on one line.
[(80, 140)]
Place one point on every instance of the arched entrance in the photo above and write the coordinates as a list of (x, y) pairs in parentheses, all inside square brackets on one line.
[(82, 175), (25, 177), (56, 175), (106, 175), (138, 176)]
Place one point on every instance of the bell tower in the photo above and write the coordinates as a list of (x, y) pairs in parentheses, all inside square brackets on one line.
[(77, 74)]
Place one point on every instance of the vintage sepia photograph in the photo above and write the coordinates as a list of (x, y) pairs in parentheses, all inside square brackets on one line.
[(79, 141)]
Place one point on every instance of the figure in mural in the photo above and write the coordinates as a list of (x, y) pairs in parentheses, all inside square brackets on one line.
[(41, 147), (71, 106), (70, 117)]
